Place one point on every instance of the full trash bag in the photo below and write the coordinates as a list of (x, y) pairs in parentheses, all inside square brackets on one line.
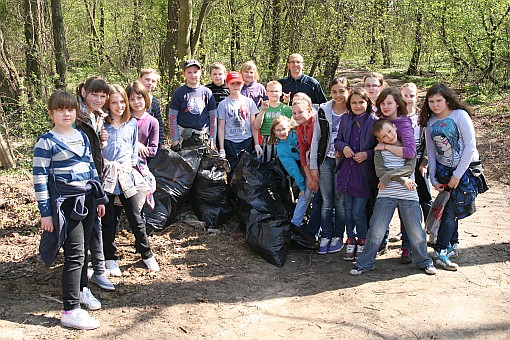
[(262, 196), (174, 173), (210, 191)]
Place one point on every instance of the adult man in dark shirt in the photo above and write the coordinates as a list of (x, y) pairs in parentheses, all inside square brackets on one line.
[(300, 82)]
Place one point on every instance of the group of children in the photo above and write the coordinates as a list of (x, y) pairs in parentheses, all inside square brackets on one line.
[(355, 158)]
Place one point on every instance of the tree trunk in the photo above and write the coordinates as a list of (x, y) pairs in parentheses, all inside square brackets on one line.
[(9, 78), (168, 61), (59, 43), (415, 58), (385, 51), (184, 29), (233, 35), (275, 44), (207, 6), (134, 55), (33, 31), (6, 155)]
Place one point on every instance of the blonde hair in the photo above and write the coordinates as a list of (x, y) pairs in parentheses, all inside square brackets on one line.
[(126, 116), (276, 121), (145, 71), (274, 83), (411, 86), (302, 99), (250, 65)]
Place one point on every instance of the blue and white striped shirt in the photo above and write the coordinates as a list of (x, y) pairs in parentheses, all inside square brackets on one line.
[(55, 161)]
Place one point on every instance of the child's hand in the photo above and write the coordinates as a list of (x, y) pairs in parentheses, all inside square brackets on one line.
[(222, 153), (212, 144), (312, 185), (410, 184), (142, 150), (315, 175), (100, 210), (454, 182), (103, 136), (265, 105), (302, 194), (47, 224), (381, 186), (348, 153), (360, 157), (286, 97), (380, 147), (423, 170), (259, 151)]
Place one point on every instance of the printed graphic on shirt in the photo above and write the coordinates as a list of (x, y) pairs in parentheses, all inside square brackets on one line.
[(446, 136), (196, 104), (238, 118)]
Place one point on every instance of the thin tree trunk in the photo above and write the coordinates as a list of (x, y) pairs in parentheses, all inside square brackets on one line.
[(275, 44), (207, 6), (6, 155), (9, 78), (184, 29), (33, 30), (415, 58), (168, 61), (59, 43), (134, 55)]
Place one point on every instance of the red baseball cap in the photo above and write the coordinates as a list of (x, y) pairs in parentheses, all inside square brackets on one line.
[(234, 76)]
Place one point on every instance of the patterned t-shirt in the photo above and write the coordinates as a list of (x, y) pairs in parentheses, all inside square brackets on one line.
[(236, 114)]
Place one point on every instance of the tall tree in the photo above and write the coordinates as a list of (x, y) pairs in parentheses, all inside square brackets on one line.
[(418, 42), (134, 55), (33, 35), (59, 43)]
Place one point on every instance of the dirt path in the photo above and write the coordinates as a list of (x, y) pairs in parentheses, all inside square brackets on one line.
[(214, 286)]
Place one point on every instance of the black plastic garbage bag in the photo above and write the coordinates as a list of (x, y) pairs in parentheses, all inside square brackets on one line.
[(262, 187), (269, 237), (174, 173), (210, 192), (262, 193)]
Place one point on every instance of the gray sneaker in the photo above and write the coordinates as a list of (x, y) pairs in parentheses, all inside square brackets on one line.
[(102, 281)]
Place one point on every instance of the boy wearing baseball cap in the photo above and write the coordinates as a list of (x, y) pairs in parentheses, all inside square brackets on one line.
[(192, 111), (236, 115)]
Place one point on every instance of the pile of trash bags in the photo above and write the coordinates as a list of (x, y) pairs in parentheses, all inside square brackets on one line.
[(259, 193)]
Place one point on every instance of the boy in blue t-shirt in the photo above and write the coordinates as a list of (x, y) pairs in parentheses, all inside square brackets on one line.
[(192, 111)]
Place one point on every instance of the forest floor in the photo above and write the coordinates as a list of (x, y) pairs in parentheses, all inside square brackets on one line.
[(212, 285)]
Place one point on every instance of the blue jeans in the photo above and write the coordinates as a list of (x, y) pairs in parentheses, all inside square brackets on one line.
[(233, 150), (301, 206), (449, 228), (332, 198), (383, 212), (355, 216), (424, 196)]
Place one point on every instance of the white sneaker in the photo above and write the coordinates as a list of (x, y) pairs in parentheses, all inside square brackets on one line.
[(87, 299), (151, 264), (112, 267), (102, 281), (90, 272), (78, 319)]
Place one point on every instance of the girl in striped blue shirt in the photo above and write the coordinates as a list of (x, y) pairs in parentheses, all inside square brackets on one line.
[(70, 200)]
